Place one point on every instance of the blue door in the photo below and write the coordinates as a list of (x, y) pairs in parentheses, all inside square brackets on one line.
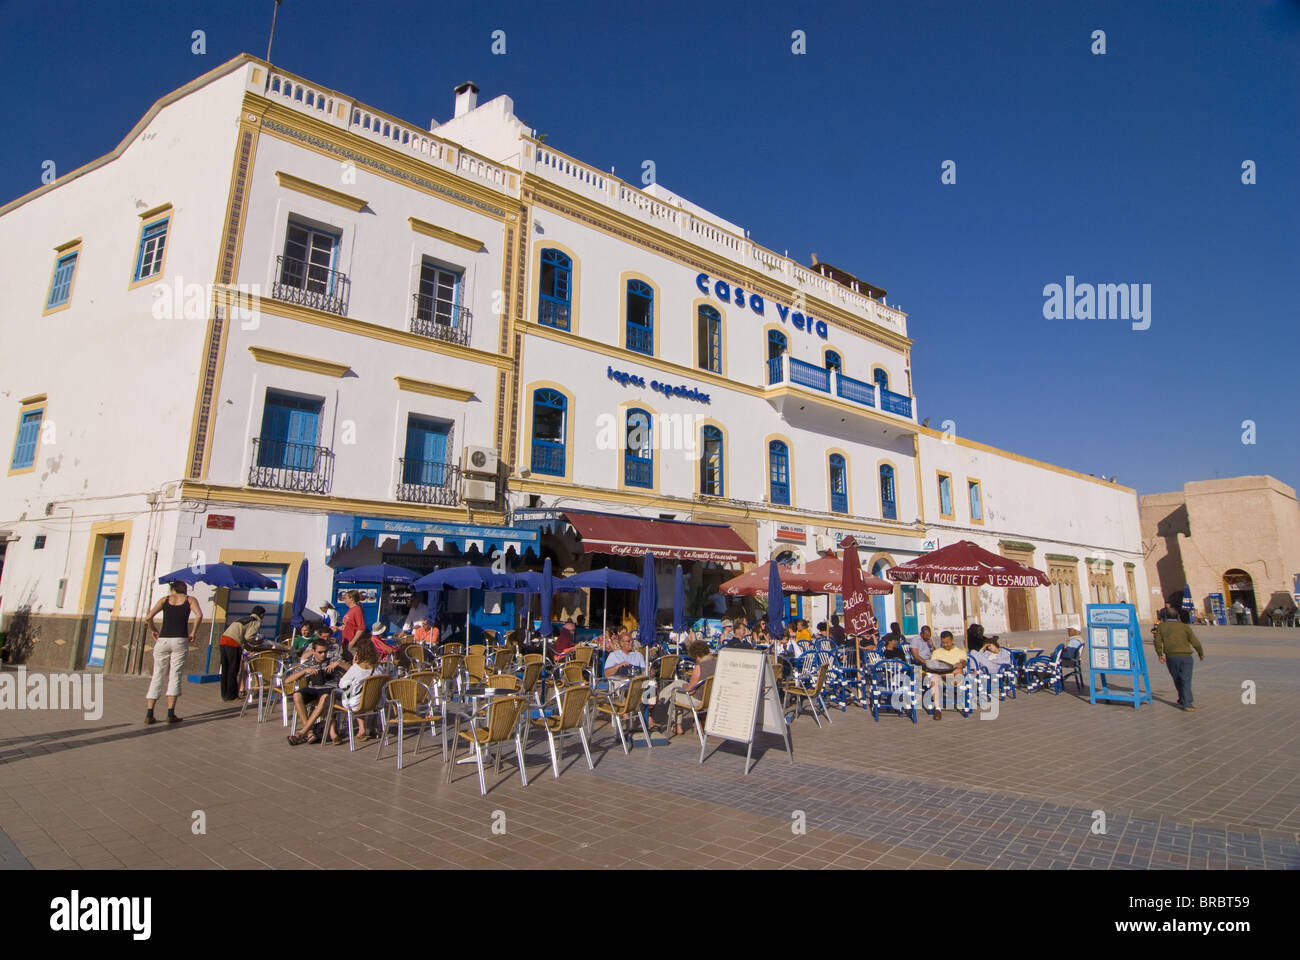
[(290, 429), (909, 625), (240, 603), (426, 452), (105, 597)]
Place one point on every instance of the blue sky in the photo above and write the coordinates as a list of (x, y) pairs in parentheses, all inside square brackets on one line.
[(1119, 168)]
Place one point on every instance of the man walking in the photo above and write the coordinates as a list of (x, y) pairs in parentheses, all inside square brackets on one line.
[(170, 647), (1174, 643)]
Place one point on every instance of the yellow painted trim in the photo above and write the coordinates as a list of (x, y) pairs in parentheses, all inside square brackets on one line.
[(434, 389), (609, 350), (880, 503), (952, 495), (211, 493), (38, 398), (1065, 471), (153, 212), (336, 197), (871, 378), (983, 506), (534, 284), (696, 304), (99, 532), (526, 437), (767, 468), (26, 407), (726, 459), (832, 348), (135, 252), (848, 478), (655, 311), (363, 328), (916, 474), (442, 233), (656, 440), (293, 561), (72, 248), (311, 364)]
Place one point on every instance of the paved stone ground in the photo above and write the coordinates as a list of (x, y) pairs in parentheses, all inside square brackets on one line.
[(1219, 788)]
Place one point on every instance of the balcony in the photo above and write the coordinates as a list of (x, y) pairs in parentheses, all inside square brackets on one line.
[(311, 285), (641, 339), (430, 482), (553, 313), (439, 320), (788, 371), (855, 390), (638, 472), (548, 459), (298, 467), (898, 403)]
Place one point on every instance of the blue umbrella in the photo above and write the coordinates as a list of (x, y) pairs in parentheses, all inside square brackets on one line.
[(775, 602), (679, 601), (648, 609), (607, 580), (464, 578), (530, 581), (377, 573), (547, 587), (220, 575), (299, 597)]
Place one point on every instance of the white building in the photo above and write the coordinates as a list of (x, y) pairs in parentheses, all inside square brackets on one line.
[(276, 326)]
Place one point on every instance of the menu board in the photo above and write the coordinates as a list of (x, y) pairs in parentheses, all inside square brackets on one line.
[(1115, 650), (744, 699)]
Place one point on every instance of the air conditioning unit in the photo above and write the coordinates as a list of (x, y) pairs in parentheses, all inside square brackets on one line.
[(825, 542), (480, 460), (485, 490)]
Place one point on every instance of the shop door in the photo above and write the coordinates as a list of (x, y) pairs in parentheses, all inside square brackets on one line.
[(1018, 610), (105, 597), (241, 602), (909, 624)]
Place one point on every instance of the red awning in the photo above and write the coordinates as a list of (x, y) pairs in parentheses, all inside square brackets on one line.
[(666, 539)]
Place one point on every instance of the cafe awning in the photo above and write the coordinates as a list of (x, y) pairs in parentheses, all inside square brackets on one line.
[(666, 539)]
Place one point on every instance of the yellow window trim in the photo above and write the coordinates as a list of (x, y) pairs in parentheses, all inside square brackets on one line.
[(434, 389), (952, 500), (155, 211), (31, 401), (336, 197), (147, 221), (26, 407), (311, 364), (64, 247), (442, 233), (65, 250)]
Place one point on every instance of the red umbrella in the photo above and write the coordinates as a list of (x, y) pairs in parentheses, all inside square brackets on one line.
[(754, 583), (967, 564), (858, 619), (826, 573)]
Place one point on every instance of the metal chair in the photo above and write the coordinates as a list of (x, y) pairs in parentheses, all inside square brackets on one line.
[(264, 672), (502, 659), (696, 701), (372, 691), (571, 718), (475, 667), (624, 707), (1044, 671), (813, 694), (477, 649), (501, 681), (893, 687), (403, 701), (1072, 665), (502, 725)]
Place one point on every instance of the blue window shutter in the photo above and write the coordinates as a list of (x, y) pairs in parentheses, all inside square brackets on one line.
[(29, 430), (61, 284)]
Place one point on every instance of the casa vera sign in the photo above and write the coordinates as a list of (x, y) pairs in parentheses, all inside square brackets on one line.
[(737, 297)]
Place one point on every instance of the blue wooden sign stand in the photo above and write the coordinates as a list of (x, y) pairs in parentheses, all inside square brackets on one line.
[(1115, 647)]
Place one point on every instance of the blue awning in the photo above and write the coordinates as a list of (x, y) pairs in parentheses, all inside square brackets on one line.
[(346, 531)]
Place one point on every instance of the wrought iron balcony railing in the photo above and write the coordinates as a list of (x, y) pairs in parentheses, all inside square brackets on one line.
[(439, 320), (311, 285), (428, 481), (283, 465)]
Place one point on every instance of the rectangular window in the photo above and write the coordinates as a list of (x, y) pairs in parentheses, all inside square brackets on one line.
[(439, 300), (976, 502), (61, 283), (308, 262), (27, 439), (290, 432), (153, 244), (945, 496)]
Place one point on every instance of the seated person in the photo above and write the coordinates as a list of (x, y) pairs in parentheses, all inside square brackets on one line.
[(821, 633), (728, 632), (684, 693), (365, 658), (790, 645), (922, 648), (565, 641), (803, 634), (624, 662), (867, 638), (951, 655), (426, 632), (975, 637), (415, 615), (891, 648), (991, 656), (743, 636), (1073, 639), (377, 637), (318, 670), (836, 632), (303, 637)]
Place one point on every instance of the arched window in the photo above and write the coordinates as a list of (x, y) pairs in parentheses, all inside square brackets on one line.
[(553, 295), (839, 485), (778, 468), (833, 361), (881, 378), (640, 317), (709, 322), (711, 463), (550, 411), (638, 455), (775, 351), (888, 506)]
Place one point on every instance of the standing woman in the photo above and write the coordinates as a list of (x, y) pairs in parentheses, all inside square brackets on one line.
[(354, 621), (170, 647)]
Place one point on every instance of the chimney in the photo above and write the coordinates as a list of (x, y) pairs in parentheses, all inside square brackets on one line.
[(466, 98)]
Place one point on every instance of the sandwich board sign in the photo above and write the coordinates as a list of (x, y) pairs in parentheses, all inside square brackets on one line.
[(744, 700), (1115, 649)]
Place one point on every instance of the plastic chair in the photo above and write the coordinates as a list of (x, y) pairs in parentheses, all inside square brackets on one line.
[(624, 707), (1042, 671), (501, 681), (697, 703), (475, 667), (372, 691), (403, 701), (893, 687), (264, 673), (571, 718), (813, 694), (1072, 665), (502, 716)]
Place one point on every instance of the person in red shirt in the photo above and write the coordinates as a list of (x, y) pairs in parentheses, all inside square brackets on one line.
[(564, 642), (354, 621)]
